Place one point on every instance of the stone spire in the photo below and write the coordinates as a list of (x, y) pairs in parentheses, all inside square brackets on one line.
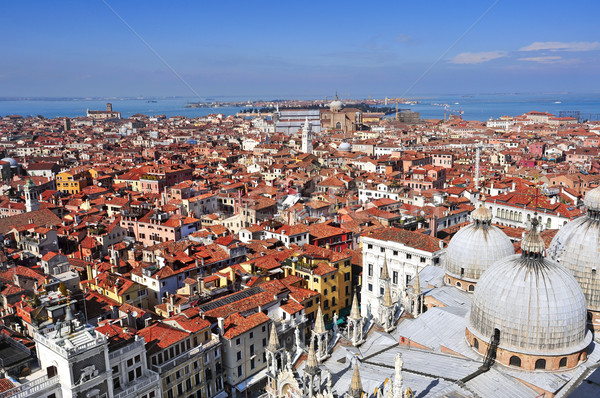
[(355, 390), (312, 365), (417, 282), (273, 339), (355, 311), (387, 296), (385, 275), (320, 334), (355, 324), (319, 324)]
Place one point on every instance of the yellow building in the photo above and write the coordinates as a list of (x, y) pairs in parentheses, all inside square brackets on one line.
[(330, 274), (73, 181), (119, 289), (132, 180)]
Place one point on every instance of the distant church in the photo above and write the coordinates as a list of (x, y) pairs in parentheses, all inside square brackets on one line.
[(340, 118), (103, 115)]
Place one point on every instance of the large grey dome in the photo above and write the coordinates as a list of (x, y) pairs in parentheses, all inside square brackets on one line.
[(345, 147), (577, 247), (13, 162), (536, 304), (475, 247)]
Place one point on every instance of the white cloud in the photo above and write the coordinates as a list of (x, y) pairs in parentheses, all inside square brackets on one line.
[(477, 58), (561, 46), (550, 59), (544, 60)]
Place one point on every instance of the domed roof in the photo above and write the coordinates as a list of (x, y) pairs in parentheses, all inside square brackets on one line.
[(335, 106), (592, 199), (576, 246), (345, 147), (475, 247), (536, 304), (13, 163)]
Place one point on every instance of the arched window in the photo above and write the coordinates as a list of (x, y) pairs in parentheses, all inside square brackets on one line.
[(458, 284), (515, 361), (338, 125), (549, 223), (563, 363), (471, 288), (476, 344), (540, 364)]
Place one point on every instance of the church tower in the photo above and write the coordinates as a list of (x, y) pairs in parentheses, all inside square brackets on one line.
[(307, 137), (31, 196)]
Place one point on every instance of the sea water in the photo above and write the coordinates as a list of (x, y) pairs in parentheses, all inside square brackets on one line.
[(473, 107)]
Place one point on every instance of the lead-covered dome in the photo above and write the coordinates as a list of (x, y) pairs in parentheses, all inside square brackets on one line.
[(11, 161), (576, 246), (335, 106), (345, 147), (475, 247), (535, 303)]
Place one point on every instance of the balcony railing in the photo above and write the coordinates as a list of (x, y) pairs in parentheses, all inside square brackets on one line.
[(184, 357), (68, 351), (141, 383), (129, 347), (31, 388)]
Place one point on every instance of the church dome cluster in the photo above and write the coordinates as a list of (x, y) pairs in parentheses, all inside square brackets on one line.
[(534, 307), (576, 246), (474, 248)]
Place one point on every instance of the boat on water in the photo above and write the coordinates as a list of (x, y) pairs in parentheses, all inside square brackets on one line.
[(557, 102)]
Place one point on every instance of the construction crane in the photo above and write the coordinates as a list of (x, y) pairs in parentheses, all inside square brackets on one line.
[(448, 110)]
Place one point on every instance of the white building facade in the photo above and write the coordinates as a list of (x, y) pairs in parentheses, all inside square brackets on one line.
[(404, 259)]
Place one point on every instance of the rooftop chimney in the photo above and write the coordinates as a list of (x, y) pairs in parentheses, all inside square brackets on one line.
[(221, 325)]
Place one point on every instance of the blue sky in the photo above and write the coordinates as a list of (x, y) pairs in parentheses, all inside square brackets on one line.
[(301, 48)]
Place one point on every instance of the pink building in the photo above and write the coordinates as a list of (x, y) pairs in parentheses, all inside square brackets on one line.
[(155, 227), (537, 149)]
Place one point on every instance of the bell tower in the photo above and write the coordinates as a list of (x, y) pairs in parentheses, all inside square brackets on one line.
[(31, 196)]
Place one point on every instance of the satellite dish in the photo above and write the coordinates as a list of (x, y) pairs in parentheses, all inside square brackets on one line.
[(134, 314)]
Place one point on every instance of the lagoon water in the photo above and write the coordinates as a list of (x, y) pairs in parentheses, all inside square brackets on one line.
[(474, 107)]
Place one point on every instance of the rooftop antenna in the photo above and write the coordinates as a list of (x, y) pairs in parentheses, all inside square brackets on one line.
[(477, 160)]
